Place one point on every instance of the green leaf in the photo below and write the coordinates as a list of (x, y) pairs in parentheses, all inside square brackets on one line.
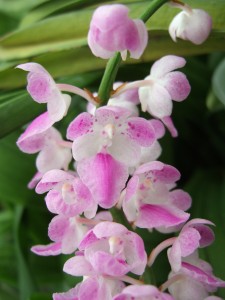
[(14, 108), (17, 169), (69, 30), (26, 285), (55, 6), (218, 82)]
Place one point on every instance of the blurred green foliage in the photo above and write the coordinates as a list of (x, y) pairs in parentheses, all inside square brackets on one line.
[(53, 33)]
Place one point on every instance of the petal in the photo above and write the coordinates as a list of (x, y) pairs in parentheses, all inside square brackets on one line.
[(105, 178), (57, 159), (194, 26), (180, 199), (81, 125), (174, 256), (167, 64), (58, 105), (34, 181), (157, 100), (86, 146), (51, 179), (168, 122), (141, 131), (189, 240), (125, 150), (105, 263), (142, 39), (177, 85), (159, 171), (158, 127), (57, 228), (108, 229), (41, 85), (33, 139), (46, 250), (201, 276), (206, 233), (153, 216), (78, 266)]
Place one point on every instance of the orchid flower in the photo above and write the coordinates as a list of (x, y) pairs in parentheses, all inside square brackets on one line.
[(149, 201), (108, 249), (194, 234), (196, 280), (111, 30), (193, 25)]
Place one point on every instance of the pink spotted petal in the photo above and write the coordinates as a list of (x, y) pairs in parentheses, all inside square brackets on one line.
[(78, 266), (105, 263), (160, 171), (158, 127), (189, 240), (153, 216), (180, 199), (107, 229), (51, 179), (177, 85), (105, 178), (47, 250), (81, 125), (167, 64), (41, 85), (33, 139), (57, 228), (202, 276), (141, 131)]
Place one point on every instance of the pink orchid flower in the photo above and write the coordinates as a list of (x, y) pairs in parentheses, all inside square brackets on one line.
[(66, 233), (165, 85), (111, 30), (111, 130), (108, 249), (196, 280), (149, 201), (193, 25), (195, 234), (67, 194)]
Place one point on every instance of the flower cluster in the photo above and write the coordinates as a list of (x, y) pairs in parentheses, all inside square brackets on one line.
[(115, 153)]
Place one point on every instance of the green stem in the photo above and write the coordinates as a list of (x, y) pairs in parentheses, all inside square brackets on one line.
[(114, 62), (153, 7)]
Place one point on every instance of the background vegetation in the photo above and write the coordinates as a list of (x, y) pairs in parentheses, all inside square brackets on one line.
[(53, 33)]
